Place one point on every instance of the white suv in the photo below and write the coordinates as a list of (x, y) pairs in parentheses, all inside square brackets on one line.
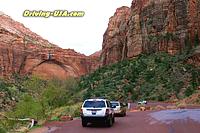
[(97, 110)]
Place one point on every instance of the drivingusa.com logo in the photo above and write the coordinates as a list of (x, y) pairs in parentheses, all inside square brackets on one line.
[(56, 13)]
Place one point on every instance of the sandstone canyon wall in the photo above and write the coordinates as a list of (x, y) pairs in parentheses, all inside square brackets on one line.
[(24, 52), (150, 26)]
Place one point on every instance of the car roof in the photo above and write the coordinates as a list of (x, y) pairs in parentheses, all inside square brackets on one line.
[(95, 99), (114, 101)]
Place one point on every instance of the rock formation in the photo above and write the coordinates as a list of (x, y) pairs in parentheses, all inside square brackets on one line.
[(114, 40), (96, 54), (24, 52), (150, 26)]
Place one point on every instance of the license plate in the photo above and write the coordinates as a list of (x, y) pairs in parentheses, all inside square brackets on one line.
[(94, 112)]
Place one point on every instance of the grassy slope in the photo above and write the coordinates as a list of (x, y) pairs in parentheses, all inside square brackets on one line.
[(157, 76)]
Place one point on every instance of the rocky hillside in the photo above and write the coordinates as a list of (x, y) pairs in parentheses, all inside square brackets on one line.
[(158, 76), (96, 54), (24, 52), (152, 25)]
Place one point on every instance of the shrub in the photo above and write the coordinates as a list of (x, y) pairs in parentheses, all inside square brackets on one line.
[(71, 110), (28, 107), (34, 85), (189, 91), (40, 97), (2, 130)]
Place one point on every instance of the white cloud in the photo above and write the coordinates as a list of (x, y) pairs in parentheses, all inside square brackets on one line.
[(84, 34)]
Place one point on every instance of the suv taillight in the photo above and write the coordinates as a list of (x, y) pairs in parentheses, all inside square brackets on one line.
[(81, 112), (107, 112)]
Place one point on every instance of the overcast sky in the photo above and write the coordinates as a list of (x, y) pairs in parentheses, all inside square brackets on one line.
[(84, 34)]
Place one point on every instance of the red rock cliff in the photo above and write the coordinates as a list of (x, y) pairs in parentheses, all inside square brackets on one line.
[(24, 52), (150, 26), (114, 43)]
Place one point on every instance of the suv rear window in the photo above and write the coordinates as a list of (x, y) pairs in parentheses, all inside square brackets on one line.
[(114, 104), (94, 104)]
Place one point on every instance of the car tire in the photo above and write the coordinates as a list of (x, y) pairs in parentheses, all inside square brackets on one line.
[(109, 122), (113, 120), (84, 123), (124, 114)]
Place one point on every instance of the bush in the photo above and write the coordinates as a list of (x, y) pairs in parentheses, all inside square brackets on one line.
[(39, 97), (34, 86), (28, 107), (2, 130), (71, 110), (189, 91)]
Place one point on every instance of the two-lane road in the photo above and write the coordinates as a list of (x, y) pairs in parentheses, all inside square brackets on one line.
[(136, 122)]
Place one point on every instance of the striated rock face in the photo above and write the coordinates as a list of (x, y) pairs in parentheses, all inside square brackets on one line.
[(114, 43), (96, 54), (24, 52), (96, 57), (150, 26)]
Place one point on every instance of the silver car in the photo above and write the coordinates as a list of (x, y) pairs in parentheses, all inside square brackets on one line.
[(119, 108)]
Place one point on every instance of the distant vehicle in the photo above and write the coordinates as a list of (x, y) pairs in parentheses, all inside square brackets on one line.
[(142, 102), (119, 108), (97, 110)]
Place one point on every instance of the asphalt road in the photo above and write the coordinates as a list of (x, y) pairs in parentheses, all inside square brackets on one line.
[(165, 121), (135, 122)]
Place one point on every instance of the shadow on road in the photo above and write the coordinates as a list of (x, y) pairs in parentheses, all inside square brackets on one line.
[(97, 125)]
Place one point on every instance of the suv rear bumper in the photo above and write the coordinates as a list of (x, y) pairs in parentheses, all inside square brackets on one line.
[(119, 112), (95, 119)]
